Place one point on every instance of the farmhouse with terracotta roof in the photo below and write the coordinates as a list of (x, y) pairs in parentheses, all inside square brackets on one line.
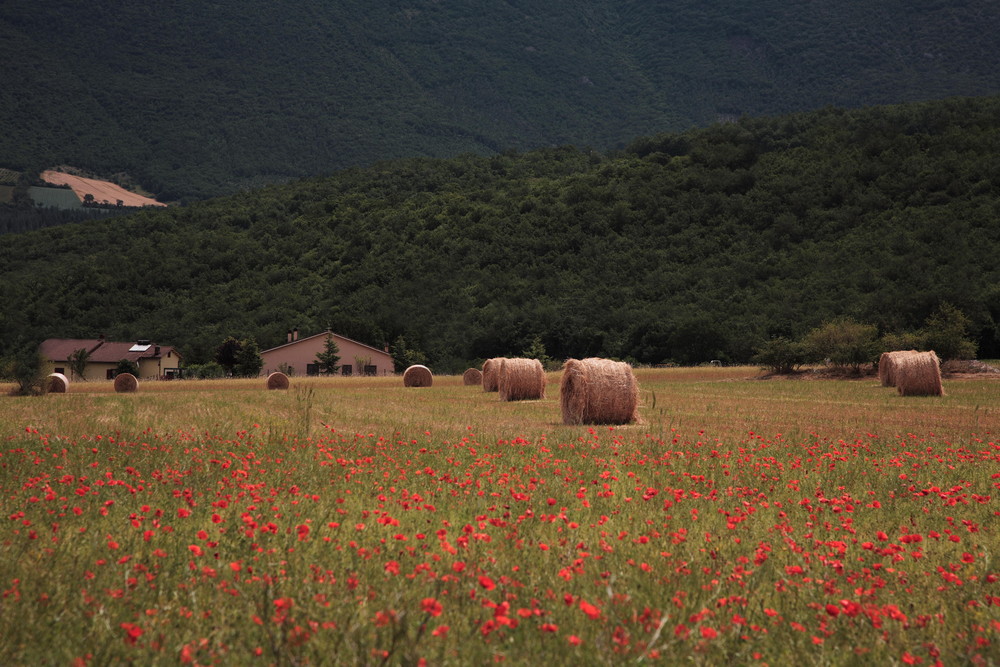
[(103, 356)]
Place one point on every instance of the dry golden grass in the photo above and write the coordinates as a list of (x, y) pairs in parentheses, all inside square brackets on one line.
[(722, 403)]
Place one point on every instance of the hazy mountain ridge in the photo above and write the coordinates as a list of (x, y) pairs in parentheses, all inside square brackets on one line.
[(200, 99)]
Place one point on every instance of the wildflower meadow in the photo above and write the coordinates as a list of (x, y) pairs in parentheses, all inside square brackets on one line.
[(354, 521)]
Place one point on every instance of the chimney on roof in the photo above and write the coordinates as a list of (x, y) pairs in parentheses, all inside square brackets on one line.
[(156, 351), (295, 334), (288, 336)]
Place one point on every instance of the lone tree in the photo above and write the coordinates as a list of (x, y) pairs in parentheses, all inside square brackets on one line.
[(328, 358), (127, 366), (24, 368), (78, 362), (945, 333), (248, 359), (240, 358), (226, 354), (843, 342), (403, 356), (780, 355)]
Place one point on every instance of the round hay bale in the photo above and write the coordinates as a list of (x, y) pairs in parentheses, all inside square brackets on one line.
[(125, 383), (277, 380), (598, 391), (887, 365), (521, 379), (491, 374), (417, 376), (919, 374), (472, 376), (58, 383)]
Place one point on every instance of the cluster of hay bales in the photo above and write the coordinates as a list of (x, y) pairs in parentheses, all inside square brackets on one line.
[(418, 376), (521, 380), (126, 383), (912, 373), (592, 391), (598, 391), (277, 380), (58, 383)]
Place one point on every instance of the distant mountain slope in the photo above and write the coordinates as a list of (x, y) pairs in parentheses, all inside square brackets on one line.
[(197, 99), (683, 247)]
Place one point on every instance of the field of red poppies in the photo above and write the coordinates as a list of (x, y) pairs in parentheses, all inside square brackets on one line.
[(358, 522)]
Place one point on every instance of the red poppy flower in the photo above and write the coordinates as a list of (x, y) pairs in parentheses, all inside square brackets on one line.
[(589, 609), (432, 606), (132, 632)]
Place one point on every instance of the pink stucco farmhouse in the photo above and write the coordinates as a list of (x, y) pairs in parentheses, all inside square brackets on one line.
[(298, 355)]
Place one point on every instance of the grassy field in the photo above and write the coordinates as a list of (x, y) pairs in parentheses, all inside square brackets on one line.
[(355, 521)]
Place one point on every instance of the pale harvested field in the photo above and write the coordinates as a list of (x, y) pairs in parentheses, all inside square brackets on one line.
[(102, 190)]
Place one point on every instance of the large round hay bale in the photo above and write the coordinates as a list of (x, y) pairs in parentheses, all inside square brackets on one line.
[(598, 391), (919, 374), (887, 365), (521, 379), (277, 380), (125, 383), (58, 383), (491, 374), (472, 376), (417, 376)]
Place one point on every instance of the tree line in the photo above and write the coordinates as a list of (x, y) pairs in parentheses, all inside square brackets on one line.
[(680, 248)]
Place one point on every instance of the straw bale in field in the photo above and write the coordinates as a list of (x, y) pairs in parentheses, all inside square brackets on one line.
[(598, 391), (521, 379), (277, 380), (491, 374), (919, 374), (887, 364), (58, 383), (472, 376), (417, 376), (125, 383)]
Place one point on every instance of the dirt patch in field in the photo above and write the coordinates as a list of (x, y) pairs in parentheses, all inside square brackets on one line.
[(103, 191)]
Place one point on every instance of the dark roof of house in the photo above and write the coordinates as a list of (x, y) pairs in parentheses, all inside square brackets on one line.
[(101, 350)]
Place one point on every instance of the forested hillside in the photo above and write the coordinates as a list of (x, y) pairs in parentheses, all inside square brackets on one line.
[(683, 247), (196, 99)]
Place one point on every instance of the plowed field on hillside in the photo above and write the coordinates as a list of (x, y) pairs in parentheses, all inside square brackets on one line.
[(103, 191)]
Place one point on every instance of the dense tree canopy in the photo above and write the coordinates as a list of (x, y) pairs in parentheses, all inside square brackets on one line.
[(683, 247)]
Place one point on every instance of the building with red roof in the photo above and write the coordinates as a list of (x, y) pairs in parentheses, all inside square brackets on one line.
[(103, 356)]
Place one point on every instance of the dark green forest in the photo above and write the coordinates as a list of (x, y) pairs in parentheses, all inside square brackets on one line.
[(681, 247), (198, 99)]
